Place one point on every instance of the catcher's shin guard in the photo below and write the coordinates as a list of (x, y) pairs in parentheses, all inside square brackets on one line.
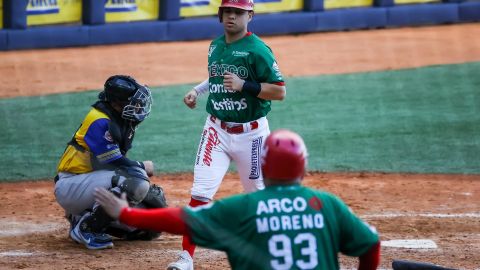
[(134, 182), (97, 221)]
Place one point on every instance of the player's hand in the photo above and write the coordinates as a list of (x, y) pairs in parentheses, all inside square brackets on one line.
[(232, 82), (190, 99), (112, 205), (149, 168)]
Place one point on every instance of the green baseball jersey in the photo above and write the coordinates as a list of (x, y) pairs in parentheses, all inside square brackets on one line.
[(252, 60), (281, 227)]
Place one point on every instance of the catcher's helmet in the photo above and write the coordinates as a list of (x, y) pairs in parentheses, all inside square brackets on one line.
[(136, 98), (284, 156), (241, 4)]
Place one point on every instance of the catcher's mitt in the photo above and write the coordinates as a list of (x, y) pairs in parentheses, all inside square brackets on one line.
[(155, 198)]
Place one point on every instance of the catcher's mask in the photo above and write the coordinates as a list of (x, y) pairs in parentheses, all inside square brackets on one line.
[(240, 4), (284, 156), (135, 98)]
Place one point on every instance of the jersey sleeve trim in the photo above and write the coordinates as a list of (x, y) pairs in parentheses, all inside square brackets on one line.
[(109, 156)]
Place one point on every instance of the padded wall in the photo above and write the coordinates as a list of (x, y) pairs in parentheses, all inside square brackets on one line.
[(48, 37), (313, 19), (422, 14), (194, 29), (469, 11), (284, 23), (3, 40), (353, 18), (133, 32)]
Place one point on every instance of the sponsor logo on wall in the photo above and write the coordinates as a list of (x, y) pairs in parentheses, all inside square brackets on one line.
[(120, 5), (40, 7)]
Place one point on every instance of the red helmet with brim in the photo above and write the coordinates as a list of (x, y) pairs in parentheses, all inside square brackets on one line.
[(284, 156)]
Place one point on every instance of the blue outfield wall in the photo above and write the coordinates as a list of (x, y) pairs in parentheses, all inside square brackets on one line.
[(3, 40), (170, 27), (285, 23), (469, 11), (421, 14), (352, 18), (48, 37), (147, 31), (193, 29)]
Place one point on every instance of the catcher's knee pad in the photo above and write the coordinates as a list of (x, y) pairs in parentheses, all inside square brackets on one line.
[(134, 182)]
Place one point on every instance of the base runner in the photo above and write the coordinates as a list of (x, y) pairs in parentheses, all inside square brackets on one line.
[(243, 79)]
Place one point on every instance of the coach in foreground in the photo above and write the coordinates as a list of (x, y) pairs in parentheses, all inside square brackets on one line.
[(284, 226)]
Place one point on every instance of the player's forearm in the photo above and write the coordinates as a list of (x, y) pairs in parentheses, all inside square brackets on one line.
[(201, 88), (271, 91), (371, 259), (126, 162), (160, 220)]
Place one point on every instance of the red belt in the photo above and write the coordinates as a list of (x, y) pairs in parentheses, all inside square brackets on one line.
[(235, 128)]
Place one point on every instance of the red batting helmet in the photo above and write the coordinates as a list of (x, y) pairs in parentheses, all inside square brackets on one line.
[(241, 4), (284, 156)]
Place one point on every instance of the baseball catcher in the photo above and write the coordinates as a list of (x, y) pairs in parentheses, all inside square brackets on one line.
[(96, 157)]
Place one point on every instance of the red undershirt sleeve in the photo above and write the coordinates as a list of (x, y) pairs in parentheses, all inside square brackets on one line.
[(162, 219), (371, 259)]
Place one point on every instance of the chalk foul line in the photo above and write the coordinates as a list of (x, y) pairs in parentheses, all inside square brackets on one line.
[(428, 215)]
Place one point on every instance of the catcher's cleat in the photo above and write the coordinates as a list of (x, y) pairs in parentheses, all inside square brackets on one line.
[(184, 262), (91, 240)]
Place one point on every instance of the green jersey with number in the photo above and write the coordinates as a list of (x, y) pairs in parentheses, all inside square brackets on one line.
[(281, 227), (250, 59)]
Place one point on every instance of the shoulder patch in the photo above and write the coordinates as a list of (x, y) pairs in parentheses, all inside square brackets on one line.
[(276, 68), (211, 49), (108, 136)]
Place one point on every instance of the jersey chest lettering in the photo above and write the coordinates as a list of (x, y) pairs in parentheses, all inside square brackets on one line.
[(284, 205), (218, 70), (228, 104)]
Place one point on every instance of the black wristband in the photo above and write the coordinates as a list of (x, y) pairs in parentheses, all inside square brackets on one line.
[(252, 88)]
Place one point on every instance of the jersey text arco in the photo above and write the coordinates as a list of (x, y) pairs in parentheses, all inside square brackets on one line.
[(290, 215)]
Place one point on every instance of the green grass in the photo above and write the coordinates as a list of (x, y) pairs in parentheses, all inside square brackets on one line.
[(424, 120)]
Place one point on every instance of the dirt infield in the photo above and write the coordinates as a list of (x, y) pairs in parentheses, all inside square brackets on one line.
[(443, 209)]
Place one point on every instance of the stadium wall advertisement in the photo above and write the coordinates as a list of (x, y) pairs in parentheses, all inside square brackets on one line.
[(69, 23), (331, 4), (400, 2), (40, 12), (131, 10), (195, 8)]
